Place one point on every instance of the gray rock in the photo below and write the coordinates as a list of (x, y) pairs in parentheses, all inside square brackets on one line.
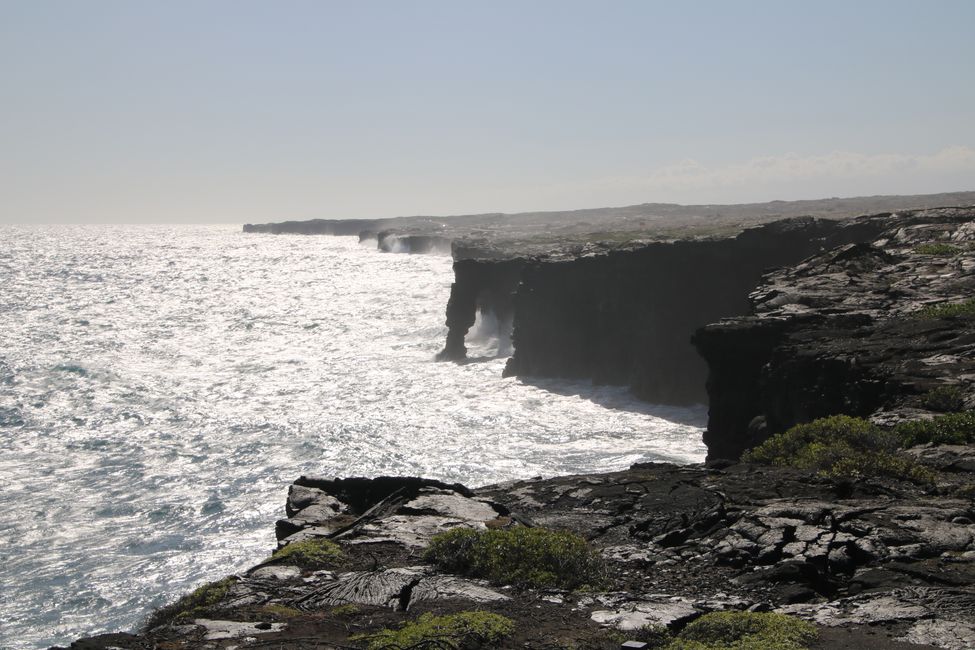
[(634, 615), (277, 572), (942, 633), (217, 630)]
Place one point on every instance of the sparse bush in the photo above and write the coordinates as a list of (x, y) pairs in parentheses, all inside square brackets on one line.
[(455, 631), (948, 429), (840, 446), (193, 604), (521, 556), (944, 399), (937, 248), (948, 310), (744, 631), (311, 553)]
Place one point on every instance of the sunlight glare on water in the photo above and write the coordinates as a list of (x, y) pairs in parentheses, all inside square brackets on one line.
[(160, 387)]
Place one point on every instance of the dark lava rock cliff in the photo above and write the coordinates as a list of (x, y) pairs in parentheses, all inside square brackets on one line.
[(625, 317), (867, 329)]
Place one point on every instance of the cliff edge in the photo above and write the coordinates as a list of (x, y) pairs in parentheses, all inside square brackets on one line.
[(872, 329)]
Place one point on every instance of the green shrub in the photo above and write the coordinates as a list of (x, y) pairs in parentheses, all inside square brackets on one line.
[(521, 556), (948, 429), (839, 446), (193, 604), (461, 630), (937, 248), (944, 399), (309, 553), (789, 447), (744, 631), (947, 310)]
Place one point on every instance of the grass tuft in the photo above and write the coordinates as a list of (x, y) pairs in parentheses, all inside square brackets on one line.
[(520, 556), (311, 553), (937, 248), (744, 631), (453, 631), (947, 310), (348, 609), (193, 604)]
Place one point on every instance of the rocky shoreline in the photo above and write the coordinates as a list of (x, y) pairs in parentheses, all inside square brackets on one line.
[(880, 325), (874, 563)]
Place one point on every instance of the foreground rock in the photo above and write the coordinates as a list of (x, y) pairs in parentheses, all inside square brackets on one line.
[(876, 564)]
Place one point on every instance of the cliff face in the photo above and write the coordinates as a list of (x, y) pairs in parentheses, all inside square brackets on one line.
[(479, 285), (855, 330), (625, 317)]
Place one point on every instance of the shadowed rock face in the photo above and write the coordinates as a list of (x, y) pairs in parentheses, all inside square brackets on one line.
[(844, 332), (625, 316)]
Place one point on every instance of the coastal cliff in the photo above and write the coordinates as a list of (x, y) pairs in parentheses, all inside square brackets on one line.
[(868, 329), (625, 317), (878, 322)]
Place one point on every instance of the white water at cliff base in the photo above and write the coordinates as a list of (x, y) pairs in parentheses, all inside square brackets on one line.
[(161, 386)]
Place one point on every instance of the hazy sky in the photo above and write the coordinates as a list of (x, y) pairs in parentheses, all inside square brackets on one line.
[(205, 111)]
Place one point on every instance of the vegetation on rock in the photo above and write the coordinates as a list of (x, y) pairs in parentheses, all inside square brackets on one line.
[(944, 399), (744, 631), (937, 248), (454, 631), (281, 611), (948, 429), (309, 553), (520, 556), (840, 446), (193, 604), (348, 609), (947, 310)]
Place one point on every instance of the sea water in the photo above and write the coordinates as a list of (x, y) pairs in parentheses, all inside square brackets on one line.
[(160, 387)]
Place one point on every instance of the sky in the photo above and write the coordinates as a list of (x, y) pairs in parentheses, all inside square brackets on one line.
[(237, 111)]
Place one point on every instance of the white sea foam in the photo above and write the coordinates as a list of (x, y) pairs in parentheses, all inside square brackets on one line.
[(160, 387)]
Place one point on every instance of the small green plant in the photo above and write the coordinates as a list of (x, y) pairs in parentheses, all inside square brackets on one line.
[(944, 399), (937, 248), (840, 446), (281, 611), (948, 429), (461, 630), (346, 610), (744, 631), (520, 556), (193, 604), (309, 553), (947, 310)]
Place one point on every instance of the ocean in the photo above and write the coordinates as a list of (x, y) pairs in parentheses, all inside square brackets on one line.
[(161, 386)]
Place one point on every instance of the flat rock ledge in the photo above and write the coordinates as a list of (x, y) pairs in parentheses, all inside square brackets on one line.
[(873, 563)]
